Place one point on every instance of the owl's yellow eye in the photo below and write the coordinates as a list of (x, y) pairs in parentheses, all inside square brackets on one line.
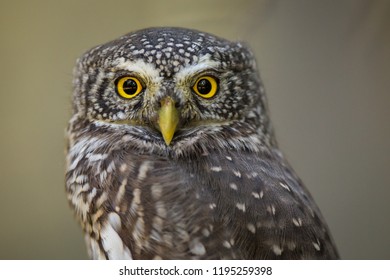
[(128, 87), (206, 86)]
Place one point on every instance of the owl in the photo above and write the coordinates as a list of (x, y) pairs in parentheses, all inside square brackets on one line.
[(171, 155)]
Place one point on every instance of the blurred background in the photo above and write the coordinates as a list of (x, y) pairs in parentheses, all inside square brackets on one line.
[(326, 69)]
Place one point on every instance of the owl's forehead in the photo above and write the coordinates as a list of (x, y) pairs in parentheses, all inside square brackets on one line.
[(167, 49)]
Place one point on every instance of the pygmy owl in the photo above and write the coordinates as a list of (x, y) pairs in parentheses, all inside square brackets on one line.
[(171, 155)]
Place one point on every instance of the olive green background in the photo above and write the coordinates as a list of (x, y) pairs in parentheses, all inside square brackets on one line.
[(326, 69)]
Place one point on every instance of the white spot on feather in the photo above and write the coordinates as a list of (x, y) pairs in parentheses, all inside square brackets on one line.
[(111, 167), (101, 200), (96, 157), (121, 191), (241, 206), (291, 245), (252, 175), (156, 191), (277, 250), (139, 231), (226, 244), (255, 195), (251, 227), (216, 168), (197, 248), (237, 173), (143, 169), (271, 209), (157, 223), (136, 200), (115, 221), (317, 245), (91, 195), (81, 179), (112, 243), (123, 167), (261, 194), (160, 209), (297, 222), (233, 186), (284, 186), (205, 232), (102, 176)]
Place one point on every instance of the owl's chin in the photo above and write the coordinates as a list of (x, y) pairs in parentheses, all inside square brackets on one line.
[(188, 140)]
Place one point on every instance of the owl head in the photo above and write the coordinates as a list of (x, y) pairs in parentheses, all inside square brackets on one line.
[(173, 88)]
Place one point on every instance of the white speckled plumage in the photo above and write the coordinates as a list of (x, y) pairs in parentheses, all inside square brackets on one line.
[(220, 189)]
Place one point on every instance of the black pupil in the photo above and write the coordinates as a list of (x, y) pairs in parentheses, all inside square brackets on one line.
[(130, 86), (204, 86)]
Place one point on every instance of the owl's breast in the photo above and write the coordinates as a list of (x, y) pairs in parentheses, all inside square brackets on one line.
[(208, 205)]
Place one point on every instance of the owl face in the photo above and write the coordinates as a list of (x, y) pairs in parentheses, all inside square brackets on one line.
[(170, 83)]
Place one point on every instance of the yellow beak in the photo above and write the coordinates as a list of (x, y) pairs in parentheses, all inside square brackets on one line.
[(168, 119)]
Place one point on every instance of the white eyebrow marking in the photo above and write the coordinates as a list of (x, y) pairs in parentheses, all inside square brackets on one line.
[(204, 63), (146, 70)]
